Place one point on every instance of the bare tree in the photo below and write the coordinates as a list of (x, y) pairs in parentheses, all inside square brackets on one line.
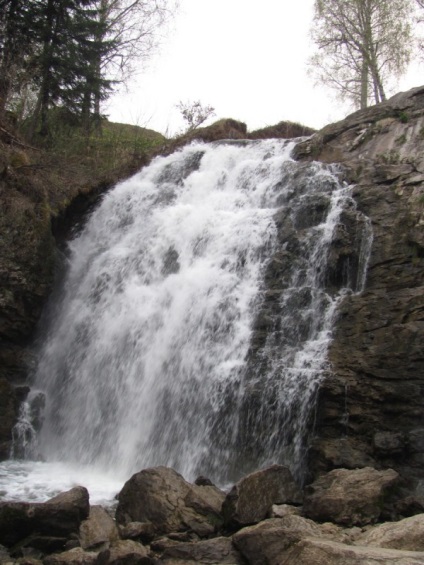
[(362, 44), (131, 29), (194, 113)]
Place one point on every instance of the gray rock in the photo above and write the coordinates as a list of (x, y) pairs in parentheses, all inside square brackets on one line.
[(348, 497), (250, 500), (162, 497)]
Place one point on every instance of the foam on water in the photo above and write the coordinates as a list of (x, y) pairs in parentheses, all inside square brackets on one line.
[(36, 481)]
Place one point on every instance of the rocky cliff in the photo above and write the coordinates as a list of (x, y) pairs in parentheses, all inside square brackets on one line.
[(371, 406)]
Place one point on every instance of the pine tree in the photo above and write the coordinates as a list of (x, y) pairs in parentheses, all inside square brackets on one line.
[(16, 43)]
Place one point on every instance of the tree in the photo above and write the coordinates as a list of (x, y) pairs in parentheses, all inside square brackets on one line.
[(194, 113), (15, 24), (76, 50), (131, 30), (361, 44)]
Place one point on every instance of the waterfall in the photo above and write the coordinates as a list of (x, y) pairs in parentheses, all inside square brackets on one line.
[(195, 316)]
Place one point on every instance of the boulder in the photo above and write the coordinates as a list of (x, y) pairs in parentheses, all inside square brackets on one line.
[(348, 497), (213, 551), (405, 534), (312, 551), (250, 500), (98, 531), (143, 531), (281, 510), (266, 543), (127, 552), (162, 497), (77, 556), (58, 517)]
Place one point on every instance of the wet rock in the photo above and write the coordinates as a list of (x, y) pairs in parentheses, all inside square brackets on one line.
[(349, 497), (98, 531), (8, 416), (251, 498), (162, 497)]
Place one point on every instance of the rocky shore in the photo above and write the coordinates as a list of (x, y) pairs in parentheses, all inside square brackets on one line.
[(265, 519)]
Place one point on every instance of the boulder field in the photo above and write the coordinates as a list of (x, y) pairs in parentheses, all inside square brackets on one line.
[(263, 520)]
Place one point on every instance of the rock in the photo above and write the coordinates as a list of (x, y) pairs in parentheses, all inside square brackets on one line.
[(77, 556), (281, 510), (60, 516), (8, 416), (162, 497), (405, 534), (267, 542), (98, 531), (127, 552), (143, 531), (374, 395), (348, 497), (251, 498), (312, 551), (214, 551)]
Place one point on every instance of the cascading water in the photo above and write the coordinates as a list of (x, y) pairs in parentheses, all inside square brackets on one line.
[(195, 317)]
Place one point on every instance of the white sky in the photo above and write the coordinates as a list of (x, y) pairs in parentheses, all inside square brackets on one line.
[(247, 59)]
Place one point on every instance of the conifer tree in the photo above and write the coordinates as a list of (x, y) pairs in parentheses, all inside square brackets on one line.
[(17, 40)]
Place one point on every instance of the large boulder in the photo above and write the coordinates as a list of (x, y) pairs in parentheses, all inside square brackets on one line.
[(57, 518), (348, 497), (251, 499), (267, 542), (162, 497)]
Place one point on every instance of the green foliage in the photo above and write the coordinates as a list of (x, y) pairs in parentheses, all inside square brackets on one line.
[(403, 117)]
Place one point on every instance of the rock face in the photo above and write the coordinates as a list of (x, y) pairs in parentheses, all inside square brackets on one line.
[(370, 407)]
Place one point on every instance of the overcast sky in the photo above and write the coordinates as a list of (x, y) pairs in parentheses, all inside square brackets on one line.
[(247, 59)]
